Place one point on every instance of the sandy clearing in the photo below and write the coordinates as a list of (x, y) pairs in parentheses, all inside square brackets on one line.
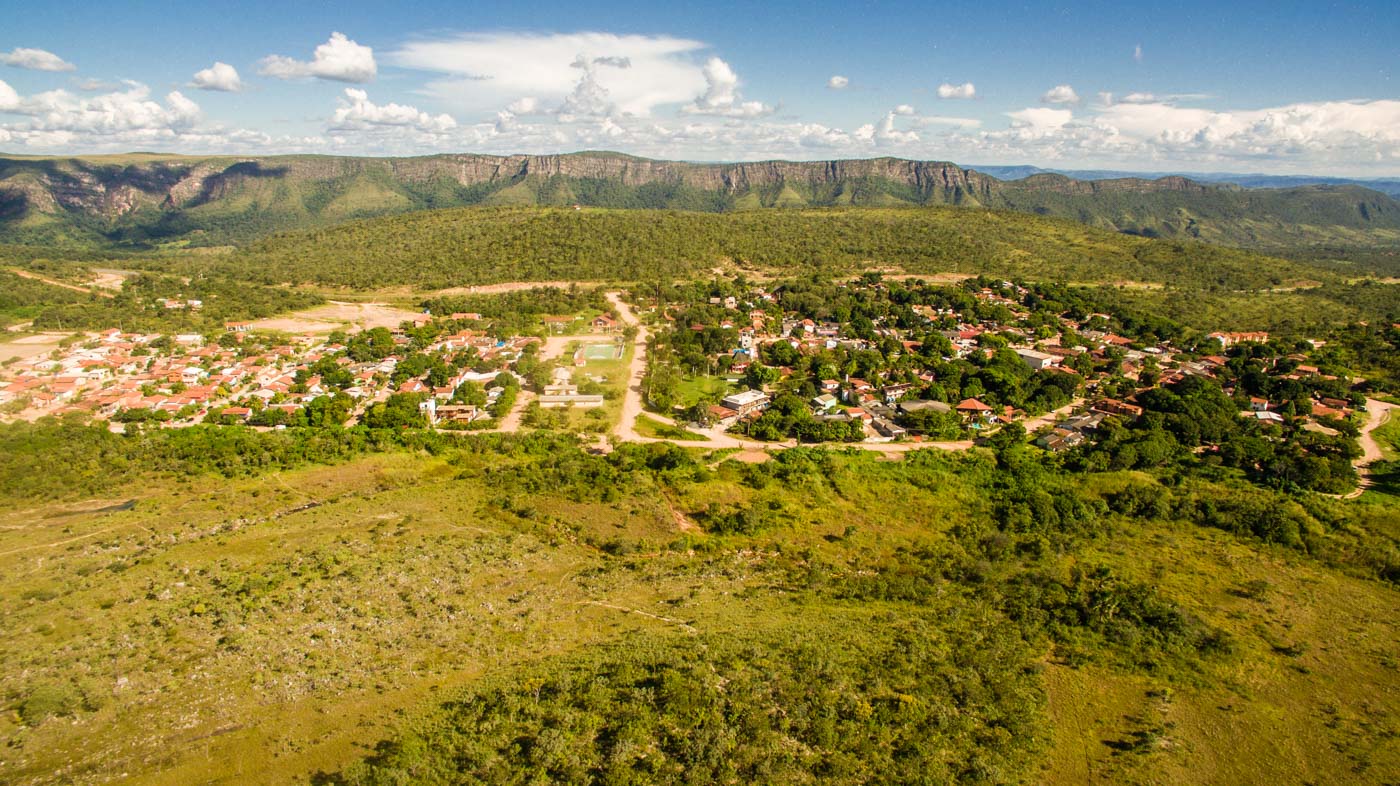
[(511, 286), (32, 346), (337, 315), (110, 278)]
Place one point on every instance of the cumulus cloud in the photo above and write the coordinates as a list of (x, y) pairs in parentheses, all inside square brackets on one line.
[(944, 120), (220, 76), (884, 133), (35, 60), (9, 99), (964, 90), (527, 105), (838, 82), (58, 119), (904, 109), (1039, 119), (1060, 94), (357, 112), (721, 96), (484, 71), (589, 98), (339, 59)]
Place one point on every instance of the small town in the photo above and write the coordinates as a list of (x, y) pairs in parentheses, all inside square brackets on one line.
[(889, 365)]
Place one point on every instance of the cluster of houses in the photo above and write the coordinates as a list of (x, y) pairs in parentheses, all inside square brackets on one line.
[(881, 407), (187, 378)]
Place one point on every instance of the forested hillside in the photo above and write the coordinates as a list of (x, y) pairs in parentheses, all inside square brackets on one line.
[(475, 246), (149, 200)]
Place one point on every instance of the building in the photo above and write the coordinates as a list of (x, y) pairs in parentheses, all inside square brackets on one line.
[(1112, 406), (972, 408), (746, 401), (580, 400), (1037, 360), (1230, 339)]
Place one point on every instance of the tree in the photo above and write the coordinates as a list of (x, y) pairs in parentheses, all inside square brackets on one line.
[(400, 410)]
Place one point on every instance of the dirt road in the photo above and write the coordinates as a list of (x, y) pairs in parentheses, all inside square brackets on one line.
[(1050, 417), (53, 282), (632, 407), (626, 430), (1377, 415)]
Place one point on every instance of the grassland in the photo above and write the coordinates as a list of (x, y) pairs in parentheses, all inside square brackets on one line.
[(260, 624)]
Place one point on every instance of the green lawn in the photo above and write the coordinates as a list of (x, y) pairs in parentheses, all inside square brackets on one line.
[(649, 427), (694, 389)]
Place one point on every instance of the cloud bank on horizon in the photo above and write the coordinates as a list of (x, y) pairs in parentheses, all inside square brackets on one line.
[(672, 97)]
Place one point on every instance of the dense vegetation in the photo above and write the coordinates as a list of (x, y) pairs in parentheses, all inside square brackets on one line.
[(449, 248), (139, 305), (24, 298), (833, 618)]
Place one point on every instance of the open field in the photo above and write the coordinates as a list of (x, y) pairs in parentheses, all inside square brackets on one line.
[(337, 315), (28, 346)]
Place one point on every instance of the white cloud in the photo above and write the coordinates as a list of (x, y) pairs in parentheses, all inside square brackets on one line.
[(943, 120), (485, 71), (1040, 119), (130, 110), (357, 112), (884, 133), (1060, 94), (220, 76), (9, 99), (838, 82), (528, 105), (35, 60), (721, 96), (1137, 53), (589, 98), (904, 109), (339, 59), (964, 90), (1140, 98)]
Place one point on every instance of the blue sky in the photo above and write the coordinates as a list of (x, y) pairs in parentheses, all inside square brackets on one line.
[(1195, 86)]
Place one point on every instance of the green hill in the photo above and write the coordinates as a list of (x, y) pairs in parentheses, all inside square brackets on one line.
[(144, 200), (476, 246)]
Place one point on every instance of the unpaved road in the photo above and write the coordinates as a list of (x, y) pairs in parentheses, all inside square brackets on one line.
[(626, 429), (1377, 415), (1050, 417), (53, 282)]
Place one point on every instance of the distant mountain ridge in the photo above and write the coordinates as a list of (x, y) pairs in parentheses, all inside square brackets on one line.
[(1389, 186), (149, 199)]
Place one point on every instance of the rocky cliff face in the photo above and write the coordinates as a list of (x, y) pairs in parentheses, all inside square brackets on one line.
[(113, 191)]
